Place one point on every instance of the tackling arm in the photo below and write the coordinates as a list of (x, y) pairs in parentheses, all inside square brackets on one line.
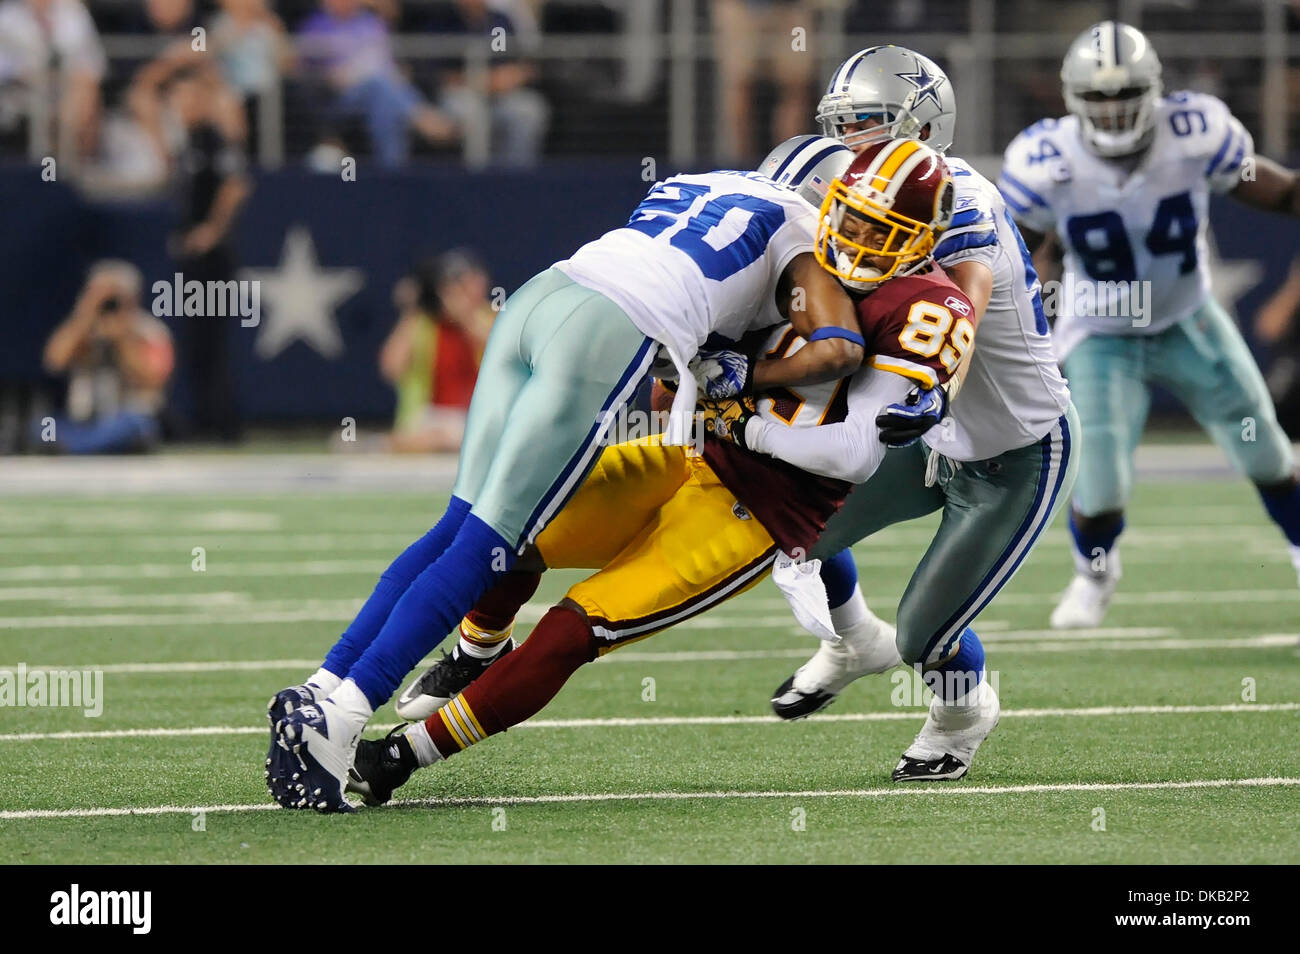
[(850, 450), (811, 298), (976, 280), (1274, 188)]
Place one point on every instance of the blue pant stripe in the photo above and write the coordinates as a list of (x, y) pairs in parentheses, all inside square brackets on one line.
[(575, 470), (1021, 542)]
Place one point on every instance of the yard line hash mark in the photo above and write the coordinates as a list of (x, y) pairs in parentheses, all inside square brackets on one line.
[(894, 792), (906, 715)]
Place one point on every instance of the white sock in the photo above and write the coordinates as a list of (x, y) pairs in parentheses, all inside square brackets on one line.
[(477, 650), (962, 712), (426, 753), (324, 682), (851, 612), (352, 702), (1295, 557), (1110, 568)]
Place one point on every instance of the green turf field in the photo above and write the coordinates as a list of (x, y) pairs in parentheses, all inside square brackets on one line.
[(1175, 727)]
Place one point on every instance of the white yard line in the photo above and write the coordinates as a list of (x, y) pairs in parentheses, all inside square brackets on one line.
[(289, 611), (580, 797), (182, 568), (1266, 641), (1085, 641), (386, 543), (330, 612), (901, 715)]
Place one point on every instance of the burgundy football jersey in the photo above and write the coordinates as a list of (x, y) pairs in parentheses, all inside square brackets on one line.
[(918, 326)]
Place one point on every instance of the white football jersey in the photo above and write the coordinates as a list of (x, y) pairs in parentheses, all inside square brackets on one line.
[(701, 254), (1136, 258), (1013, 392)]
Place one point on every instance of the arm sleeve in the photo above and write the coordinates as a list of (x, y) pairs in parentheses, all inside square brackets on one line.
[(850, 450), (1024, 182), (973, 233), (795, 235), (1233, 146)]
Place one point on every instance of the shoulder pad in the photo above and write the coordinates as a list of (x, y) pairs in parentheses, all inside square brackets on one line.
[(1201, 126)]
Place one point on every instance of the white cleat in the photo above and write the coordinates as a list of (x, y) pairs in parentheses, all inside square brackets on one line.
[(1084, 604), (313, 750), (864, 648), (945, 747)]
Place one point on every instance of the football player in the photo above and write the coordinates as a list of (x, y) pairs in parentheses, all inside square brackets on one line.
[(674, 535), (1124, 183), (998, 468), (702, 254)]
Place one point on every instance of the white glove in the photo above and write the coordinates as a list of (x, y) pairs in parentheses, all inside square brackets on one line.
[(721, 374)]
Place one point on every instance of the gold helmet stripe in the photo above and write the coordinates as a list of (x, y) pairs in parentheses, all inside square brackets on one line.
[(905, 148)]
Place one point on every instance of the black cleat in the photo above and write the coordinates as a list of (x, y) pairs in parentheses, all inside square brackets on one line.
[(380, 766), (945, 768), (790, 703), (441, 682)]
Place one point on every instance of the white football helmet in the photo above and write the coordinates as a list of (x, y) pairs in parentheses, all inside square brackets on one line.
[(1111, 80), (807, 165), (900, 93)]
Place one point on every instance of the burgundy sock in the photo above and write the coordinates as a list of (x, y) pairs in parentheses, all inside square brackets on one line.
[(518, 685), (498, 606)]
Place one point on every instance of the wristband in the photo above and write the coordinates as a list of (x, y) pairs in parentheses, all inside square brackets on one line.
[(822, 334)]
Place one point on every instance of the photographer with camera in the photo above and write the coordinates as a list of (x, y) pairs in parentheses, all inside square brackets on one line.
[(118, 359)]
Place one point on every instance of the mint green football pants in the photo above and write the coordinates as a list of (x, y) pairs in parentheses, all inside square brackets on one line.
[(560, 362), (994, 512), (1204, 362)]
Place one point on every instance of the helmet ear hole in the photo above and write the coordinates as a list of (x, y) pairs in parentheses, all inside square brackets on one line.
[(943, 216)]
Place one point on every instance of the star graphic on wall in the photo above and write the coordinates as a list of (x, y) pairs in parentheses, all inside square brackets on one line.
[(299, 298), (926, 83)]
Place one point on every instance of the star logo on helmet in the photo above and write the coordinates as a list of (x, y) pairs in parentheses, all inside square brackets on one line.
[(927, 85)]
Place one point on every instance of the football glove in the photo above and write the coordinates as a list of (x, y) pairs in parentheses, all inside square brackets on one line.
[(722, 374), (726, 420), (903, 423)]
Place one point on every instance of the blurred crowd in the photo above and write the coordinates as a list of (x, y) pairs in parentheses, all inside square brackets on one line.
[(80, 80), (132, 95), (315, 80)]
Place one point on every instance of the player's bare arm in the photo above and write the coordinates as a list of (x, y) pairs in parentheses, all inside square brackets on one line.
[(824, 305), (1274, 188)]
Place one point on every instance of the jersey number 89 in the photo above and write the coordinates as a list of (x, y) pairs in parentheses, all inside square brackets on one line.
[(931, 330)]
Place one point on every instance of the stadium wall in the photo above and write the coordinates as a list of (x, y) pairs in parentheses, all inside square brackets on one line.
[(365, 234)]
